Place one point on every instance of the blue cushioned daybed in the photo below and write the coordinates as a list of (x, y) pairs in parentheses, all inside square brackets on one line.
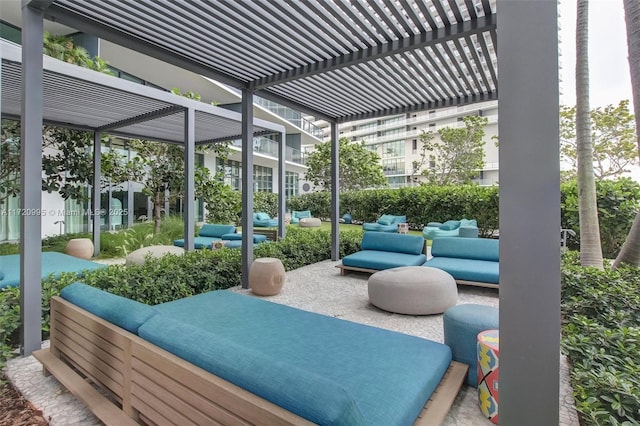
[(386, 223), (380, 250), (471, 261), (297, 215), (262, 362), (53, 263), (209, 233)]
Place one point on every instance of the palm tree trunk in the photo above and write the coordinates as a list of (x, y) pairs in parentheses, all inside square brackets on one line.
[(590, 248), (630, 252)]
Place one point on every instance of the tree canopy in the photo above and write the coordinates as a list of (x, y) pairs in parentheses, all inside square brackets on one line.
[(613, 139), (359, 167), (457, 155)]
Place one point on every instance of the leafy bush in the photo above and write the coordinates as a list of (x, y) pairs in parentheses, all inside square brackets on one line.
[(617, 208), (172, 277), (266, 202), (601, 336)]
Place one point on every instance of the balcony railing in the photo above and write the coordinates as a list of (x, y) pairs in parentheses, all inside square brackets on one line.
[(268, 147)]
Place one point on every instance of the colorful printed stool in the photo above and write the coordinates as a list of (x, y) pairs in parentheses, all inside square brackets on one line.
[(488, 373)]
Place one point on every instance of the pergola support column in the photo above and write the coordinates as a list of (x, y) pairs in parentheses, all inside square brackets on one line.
[(31, 181), (95, 191), (247, 185), (529, 188), (282, 180), (188, 204), (335, 192)]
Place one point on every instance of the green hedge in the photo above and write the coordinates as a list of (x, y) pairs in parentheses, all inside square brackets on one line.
[(601, 337), (617, 203), (173, 277)]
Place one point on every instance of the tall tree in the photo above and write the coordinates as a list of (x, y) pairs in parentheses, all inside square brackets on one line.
[(458, 154), (359, 167), (630, 251), (612, 137), (590, 248)]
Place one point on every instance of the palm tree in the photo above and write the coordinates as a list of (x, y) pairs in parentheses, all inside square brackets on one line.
[(590, 248), (630, 252)]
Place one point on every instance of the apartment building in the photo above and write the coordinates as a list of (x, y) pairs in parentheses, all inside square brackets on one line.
[(396, 139)]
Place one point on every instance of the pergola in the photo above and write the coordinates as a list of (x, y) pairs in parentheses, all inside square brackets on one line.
[(342, 60)]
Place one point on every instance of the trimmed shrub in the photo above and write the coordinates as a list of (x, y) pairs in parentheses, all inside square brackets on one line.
[(172, 277), (266, 202), (601, 337)]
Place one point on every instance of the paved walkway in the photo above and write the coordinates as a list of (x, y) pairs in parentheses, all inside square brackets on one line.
[(317, 288)]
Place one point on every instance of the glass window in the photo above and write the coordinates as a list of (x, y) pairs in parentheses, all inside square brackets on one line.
[(291, 184), (394, 166), (262, 179), (393, 149)]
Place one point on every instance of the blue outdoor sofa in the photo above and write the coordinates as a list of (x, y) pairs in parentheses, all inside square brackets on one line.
[(386, 223), (230, 358), (381, 250), (297, 215), (53, 264), (207, 235), (470, 261)]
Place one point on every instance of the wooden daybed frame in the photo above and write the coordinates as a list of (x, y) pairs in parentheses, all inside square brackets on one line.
[(344, 270), (146, 384)]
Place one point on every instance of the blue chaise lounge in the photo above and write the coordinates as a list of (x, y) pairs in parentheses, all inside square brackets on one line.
[(381, 250), (53, 264), (386, 223), (222, 357), (209, 233), (471, 261)]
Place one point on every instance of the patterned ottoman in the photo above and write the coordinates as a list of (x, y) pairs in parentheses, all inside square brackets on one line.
[(488, 373)]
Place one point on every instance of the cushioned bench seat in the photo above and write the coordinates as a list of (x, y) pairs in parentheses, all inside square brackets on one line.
[(222, 357), (53, 263), (208, 234), (472, 261), (381, 250), (333, 365)]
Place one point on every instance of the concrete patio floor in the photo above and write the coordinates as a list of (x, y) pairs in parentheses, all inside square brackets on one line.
[(318, 288)]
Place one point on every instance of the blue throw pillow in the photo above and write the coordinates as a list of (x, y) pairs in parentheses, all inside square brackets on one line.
[(118, 310), (385, 219), (262, 216), (450, 225)]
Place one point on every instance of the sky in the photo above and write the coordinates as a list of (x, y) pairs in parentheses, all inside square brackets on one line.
[(608, 65)]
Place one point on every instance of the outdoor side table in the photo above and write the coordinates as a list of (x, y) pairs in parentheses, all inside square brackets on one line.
[(266, 276), (488, 373)]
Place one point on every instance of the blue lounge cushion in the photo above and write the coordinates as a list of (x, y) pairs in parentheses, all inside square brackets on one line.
[(118, 310), (262, 216), (1, 275), (450, 225), (400, 243), (308, 394), (198, 242), (467, 269), (257, 238), (215, 230), (390, 375), (385, 219), (467, 248), (468, 222), (301, 214), (374, 259)]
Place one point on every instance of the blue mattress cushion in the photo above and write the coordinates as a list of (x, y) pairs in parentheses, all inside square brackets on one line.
[(467, 269), (53, 264), (118, 310), (467, 248), (1, 275), (389, 375), (300, 391), (400, 243), (215, 230), (375, 259), (257, 238)]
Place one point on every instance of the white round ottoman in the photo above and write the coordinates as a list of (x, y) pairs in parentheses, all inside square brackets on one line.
[(137, 257), (310, 222), (413, 290)]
